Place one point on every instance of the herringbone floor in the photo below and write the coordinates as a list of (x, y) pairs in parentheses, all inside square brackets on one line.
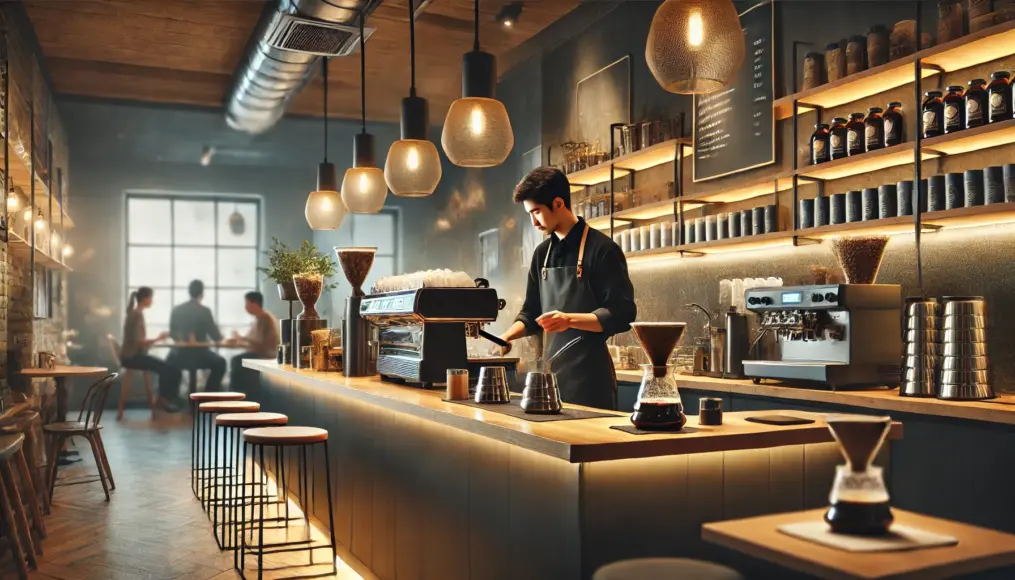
[(153, 528)]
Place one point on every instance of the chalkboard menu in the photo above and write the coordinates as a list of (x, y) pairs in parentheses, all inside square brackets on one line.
[(734, 127)]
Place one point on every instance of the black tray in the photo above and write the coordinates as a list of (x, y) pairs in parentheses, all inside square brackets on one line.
[(514, 410), (631, 429)]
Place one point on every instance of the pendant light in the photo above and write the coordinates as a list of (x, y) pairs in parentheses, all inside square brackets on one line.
[(363, 188), (477, 131), (695, 46), (237, 223), (413, 167), (325, 210)]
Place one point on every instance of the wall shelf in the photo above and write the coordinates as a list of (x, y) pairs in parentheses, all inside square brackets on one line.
[(970, 50), (768, 185), (603, 222), (22, 176), (971, 140), (894, 156), (18, 246), (647, 158)]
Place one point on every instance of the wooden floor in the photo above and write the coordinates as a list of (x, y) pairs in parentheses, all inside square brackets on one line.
[(153, 528)]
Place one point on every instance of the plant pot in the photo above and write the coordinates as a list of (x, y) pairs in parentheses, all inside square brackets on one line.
[(287, 291), (308, 290)]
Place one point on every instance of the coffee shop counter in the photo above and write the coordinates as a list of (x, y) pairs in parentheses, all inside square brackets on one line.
[(425, 488)]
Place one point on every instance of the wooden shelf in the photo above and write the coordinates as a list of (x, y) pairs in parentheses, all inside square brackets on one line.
[(970, 50), (603, 222), (22, 176), (18, 246), (885, 227), (768, 186), (865, 163), (971, 140), (638, 161)]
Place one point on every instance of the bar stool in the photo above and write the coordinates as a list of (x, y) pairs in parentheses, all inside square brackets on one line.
[(232, 425), (196, 433), (88, 426), (22, 545), (665, 569), (283, 439), (38, 500), (209, 477)]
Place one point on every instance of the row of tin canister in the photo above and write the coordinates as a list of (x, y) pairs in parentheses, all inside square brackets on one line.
[(736, 224)]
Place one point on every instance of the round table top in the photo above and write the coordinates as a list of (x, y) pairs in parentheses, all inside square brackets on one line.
[(190, 345), (65, 371)]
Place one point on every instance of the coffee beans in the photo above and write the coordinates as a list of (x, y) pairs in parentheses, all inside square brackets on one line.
[(860, 257)]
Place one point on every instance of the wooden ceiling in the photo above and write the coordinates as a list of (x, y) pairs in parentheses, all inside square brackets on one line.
[(186, 51)]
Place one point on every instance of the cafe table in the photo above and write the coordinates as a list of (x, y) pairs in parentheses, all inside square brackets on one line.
[(60, 374), (978, 549), (192, 383)]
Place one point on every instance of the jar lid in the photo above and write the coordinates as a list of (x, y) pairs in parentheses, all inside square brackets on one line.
[(820, 126), (856, 116), (1001, 74), (839, 121), (955, 89), (874, 110), (895, 105), (932, 94), (977, 82)]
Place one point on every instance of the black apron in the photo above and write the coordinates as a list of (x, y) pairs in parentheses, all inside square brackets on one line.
[(585, 372)]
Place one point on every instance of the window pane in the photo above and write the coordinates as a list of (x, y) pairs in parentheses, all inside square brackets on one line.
[(194, 222), (227, 220), (237, 268), (148, 221), (232, 309), (158, 314), (148, 267), (375, 230), (193, 264)]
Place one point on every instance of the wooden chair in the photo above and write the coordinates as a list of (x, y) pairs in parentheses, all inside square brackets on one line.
[(23, 547), (114, 346), (88, 426)]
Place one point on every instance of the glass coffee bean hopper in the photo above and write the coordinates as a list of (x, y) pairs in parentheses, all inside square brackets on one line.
[(859, 498), (659, 407)]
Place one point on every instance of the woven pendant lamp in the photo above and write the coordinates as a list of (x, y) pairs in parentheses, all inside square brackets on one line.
[(695, 46)]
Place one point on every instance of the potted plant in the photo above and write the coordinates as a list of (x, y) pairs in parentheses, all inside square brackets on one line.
[(284, 263)]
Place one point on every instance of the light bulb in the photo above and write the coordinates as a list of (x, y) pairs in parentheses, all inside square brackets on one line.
[(28, 214), (477, 132), (413, 168), (412, 159), (12, 201), (324, 210), (364, 189), (40, 223), (68, 251), (364, 183), (695, 29), (476, 121)]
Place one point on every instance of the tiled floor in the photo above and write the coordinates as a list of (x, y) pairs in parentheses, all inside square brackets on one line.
[(153, 528)]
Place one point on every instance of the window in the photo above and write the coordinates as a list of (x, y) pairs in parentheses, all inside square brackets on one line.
[(380, 230), (173, 239)]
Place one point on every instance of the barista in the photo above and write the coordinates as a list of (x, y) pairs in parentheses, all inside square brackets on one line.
[(577, 286)]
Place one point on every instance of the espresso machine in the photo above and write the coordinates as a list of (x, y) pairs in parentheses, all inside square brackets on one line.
[(834, 336), (422, 332)]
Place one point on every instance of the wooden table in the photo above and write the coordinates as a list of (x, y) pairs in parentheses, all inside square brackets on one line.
[(978, 549), (60, 374)]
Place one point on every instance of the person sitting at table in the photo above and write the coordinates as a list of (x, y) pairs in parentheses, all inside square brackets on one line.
[(260, 342), (134, 352), (192, 322)]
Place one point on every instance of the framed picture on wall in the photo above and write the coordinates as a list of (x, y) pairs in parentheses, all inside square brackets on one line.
[(531, 237), (489, 252)]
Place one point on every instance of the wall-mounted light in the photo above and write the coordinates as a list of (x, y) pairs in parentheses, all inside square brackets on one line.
[(28, 214), (68, 251), (12, 201), (40, 222), (363, 187)]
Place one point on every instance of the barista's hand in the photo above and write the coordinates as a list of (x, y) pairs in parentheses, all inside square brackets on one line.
[(554, 321), (498, 350)]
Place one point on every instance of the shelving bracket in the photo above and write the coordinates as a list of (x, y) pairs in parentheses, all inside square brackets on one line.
[(805, 241)]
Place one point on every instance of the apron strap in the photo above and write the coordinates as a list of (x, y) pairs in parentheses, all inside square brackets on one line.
[(581, 252)]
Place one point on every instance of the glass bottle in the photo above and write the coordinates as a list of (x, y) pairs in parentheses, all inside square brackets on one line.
[(819, 144), (874, 129), (955, 109), (976, 103), (933, 114), (837, 138), (854, 135), (894, 124), (999, 97)]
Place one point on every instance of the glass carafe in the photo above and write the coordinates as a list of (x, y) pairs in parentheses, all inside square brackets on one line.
[(859, 499), (659, 407)]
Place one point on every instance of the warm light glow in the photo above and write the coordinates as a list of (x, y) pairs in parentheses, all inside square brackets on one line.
[(364, 189), (413, 168), (695, 29), (68, 251), (324, 210), (477, 133), (12, 201), (28, 214), (40, 223), (509, 23)]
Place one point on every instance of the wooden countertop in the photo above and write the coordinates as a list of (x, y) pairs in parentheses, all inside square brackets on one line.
[(999, 410), (978, 549), (576, 441)]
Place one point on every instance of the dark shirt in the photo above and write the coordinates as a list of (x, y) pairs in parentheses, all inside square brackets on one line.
[(193, 318), (605, 269)]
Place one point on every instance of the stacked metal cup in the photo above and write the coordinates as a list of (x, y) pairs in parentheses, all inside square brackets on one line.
[(964, 374), (922, 340)]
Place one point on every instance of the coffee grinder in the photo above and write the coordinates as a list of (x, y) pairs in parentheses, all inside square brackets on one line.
[(287, 292), (356, 263), (859, 498), (308, 288), (659, 407)]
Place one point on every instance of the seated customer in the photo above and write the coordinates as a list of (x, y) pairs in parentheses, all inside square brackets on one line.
[(193, 322), (260, 342), (134, 353)]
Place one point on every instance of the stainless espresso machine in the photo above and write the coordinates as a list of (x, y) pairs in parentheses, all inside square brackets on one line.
[(834, 336), (422, 332)]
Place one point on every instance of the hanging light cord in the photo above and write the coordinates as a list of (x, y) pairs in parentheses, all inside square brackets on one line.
[(412, 49), (363, 72), (475, 44), (324, 72)]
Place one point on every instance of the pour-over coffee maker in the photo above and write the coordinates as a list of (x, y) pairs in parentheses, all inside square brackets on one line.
[(356, 263), (659, 407), (859, 498)]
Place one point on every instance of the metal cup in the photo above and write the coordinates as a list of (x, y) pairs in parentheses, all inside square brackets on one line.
[(966, 391), (965, 335), (919, 374), (920, 361), (965, 305), (964, 349), (926, 349), (922, 323), (964, 377), (964, 363), (964, 321), (492, 386), (541, 395), (923, 308), (923, 336), (925, 388)]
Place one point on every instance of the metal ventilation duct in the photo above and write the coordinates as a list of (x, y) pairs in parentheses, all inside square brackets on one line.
[(282, 53)]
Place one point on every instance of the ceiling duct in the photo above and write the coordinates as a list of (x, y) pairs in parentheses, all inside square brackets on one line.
[(282, 53)]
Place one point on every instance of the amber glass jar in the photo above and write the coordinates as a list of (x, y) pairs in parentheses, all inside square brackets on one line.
[(894, 124), (874, 129), (999, 97), (837, 138), (955, 107), (976, 103), (933, 114), (820, 148), (854, 135)]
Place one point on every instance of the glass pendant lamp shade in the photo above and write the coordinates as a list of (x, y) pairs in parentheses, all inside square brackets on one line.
[(413, 168), (364, 189), (695, 46), (325, 209), (477, 132)]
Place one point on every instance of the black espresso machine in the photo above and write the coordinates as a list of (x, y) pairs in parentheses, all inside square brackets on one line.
[(422, 332)]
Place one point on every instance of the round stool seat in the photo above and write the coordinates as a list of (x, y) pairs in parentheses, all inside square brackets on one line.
[(18, 423), (229, 407), (10, 444), (665, 569), (250, 419), (218, 396), (285, 435)]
